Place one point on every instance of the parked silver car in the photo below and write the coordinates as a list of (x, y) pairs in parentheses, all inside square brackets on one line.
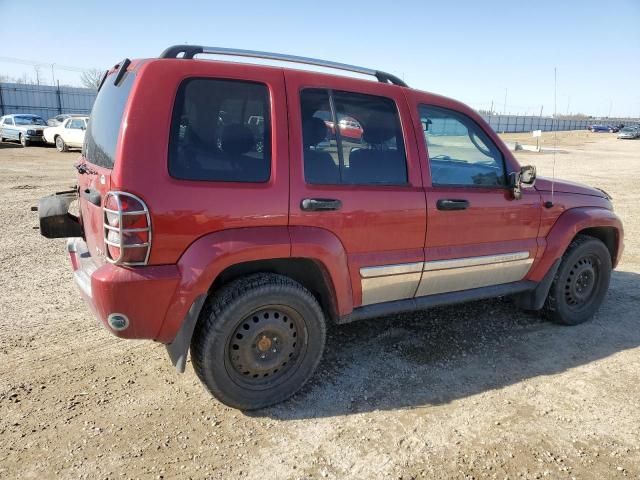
[(23, 128), (629, 132)]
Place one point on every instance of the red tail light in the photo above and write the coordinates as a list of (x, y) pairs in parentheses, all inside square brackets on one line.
[(127, 229)]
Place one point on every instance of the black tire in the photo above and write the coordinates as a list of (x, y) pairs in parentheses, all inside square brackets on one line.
[(581, 282), (23, 141), (60, 145), (258, 340)]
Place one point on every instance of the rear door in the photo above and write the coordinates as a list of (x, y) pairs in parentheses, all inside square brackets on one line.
[(74, 132), (8, 130), (99, 154), (478, 234), (355, 172)]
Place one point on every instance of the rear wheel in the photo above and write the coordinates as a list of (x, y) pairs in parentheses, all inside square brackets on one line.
[(581, 282), (60, 145), (258, 340)]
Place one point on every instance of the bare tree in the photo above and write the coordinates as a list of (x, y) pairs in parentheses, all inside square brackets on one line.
[(91, 78)]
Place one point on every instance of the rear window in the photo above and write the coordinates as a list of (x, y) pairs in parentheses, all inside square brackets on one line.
[(220, 131), (101, 138)]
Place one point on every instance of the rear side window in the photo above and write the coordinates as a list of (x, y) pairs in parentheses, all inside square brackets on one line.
[(351, 138), (101, 138), (220, 131)]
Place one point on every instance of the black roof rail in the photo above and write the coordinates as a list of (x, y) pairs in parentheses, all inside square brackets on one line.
[(189, 51)]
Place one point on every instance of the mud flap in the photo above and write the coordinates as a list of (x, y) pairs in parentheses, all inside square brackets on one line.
[(534, 300), (55, 219), (179, 348)]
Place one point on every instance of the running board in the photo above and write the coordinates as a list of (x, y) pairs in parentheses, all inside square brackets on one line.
[(450, 298)]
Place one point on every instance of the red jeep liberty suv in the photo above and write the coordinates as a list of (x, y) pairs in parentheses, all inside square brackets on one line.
[(232, 209)]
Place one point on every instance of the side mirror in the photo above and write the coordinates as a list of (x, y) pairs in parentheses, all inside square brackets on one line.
[(526, 176)]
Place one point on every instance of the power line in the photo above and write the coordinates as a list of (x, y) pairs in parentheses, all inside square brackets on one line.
[(23, 61)]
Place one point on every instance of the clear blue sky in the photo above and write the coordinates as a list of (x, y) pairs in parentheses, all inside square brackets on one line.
[(471, 50)]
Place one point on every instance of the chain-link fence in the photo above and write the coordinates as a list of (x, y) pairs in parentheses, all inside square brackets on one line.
[(516, 123), (49, 101), (44, 100)]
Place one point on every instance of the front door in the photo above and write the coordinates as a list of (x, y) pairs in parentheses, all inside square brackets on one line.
[(478, 234), (355, 173)]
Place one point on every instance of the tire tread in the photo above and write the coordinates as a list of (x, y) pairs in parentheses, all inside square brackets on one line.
[(209, 322)]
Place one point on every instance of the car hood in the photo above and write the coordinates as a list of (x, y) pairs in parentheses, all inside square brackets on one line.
[(30, 127), (543, 184)]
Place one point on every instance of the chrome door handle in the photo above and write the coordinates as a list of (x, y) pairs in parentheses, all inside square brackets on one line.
[(452, 204), (320, 204)]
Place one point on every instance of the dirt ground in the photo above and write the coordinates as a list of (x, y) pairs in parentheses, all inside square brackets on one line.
[(475, 391)]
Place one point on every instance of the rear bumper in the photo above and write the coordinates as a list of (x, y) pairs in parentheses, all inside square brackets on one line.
[(35, 138), (142, 295)]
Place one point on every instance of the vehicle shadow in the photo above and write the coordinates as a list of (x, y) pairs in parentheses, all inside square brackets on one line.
[(10, 145), (437, 356)]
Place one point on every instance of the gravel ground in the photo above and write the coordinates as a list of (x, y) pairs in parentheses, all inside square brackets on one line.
[(480, 390)]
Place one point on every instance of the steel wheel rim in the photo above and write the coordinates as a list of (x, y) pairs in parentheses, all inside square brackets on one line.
[(59, 143), (250, 359), (582, 281)]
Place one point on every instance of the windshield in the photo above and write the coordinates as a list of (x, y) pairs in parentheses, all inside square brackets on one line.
[(28, 120), (628, 129)]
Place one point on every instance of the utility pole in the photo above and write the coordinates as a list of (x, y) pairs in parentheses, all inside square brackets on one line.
[(53, 75), (541, 107), (504, 109), (491, 109), (568, 103), (37, 70)]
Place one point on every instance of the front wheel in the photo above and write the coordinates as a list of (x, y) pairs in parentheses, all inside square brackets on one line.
[(581, 282), (23, 141), (258, 340)]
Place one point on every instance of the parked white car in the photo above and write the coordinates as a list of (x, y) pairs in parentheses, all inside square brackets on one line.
[(69, 134)]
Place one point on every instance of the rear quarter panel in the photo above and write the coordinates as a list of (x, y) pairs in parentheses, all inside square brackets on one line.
[(181, 210)]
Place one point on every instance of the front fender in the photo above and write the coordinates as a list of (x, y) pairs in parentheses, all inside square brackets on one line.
[(566, 227)]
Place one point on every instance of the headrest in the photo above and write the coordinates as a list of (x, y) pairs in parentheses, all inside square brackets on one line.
[(314, 130), (378, 129), (237, 139)]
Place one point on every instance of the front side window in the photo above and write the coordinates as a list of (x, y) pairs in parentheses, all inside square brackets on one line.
[(460, 152), (221, 131), (351, 138)]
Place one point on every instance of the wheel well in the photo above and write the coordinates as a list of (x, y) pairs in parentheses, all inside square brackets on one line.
[(607, 235), (309, 273)]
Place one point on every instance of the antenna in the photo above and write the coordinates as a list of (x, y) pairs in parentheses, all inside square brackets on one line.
[(555, 130)]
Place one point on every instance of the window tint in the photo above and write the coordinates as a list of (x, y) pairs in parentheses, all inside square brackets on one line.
[(220, 131), (28, 120), (351, 138), (460, 153), (106, 116), (76, 123)]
